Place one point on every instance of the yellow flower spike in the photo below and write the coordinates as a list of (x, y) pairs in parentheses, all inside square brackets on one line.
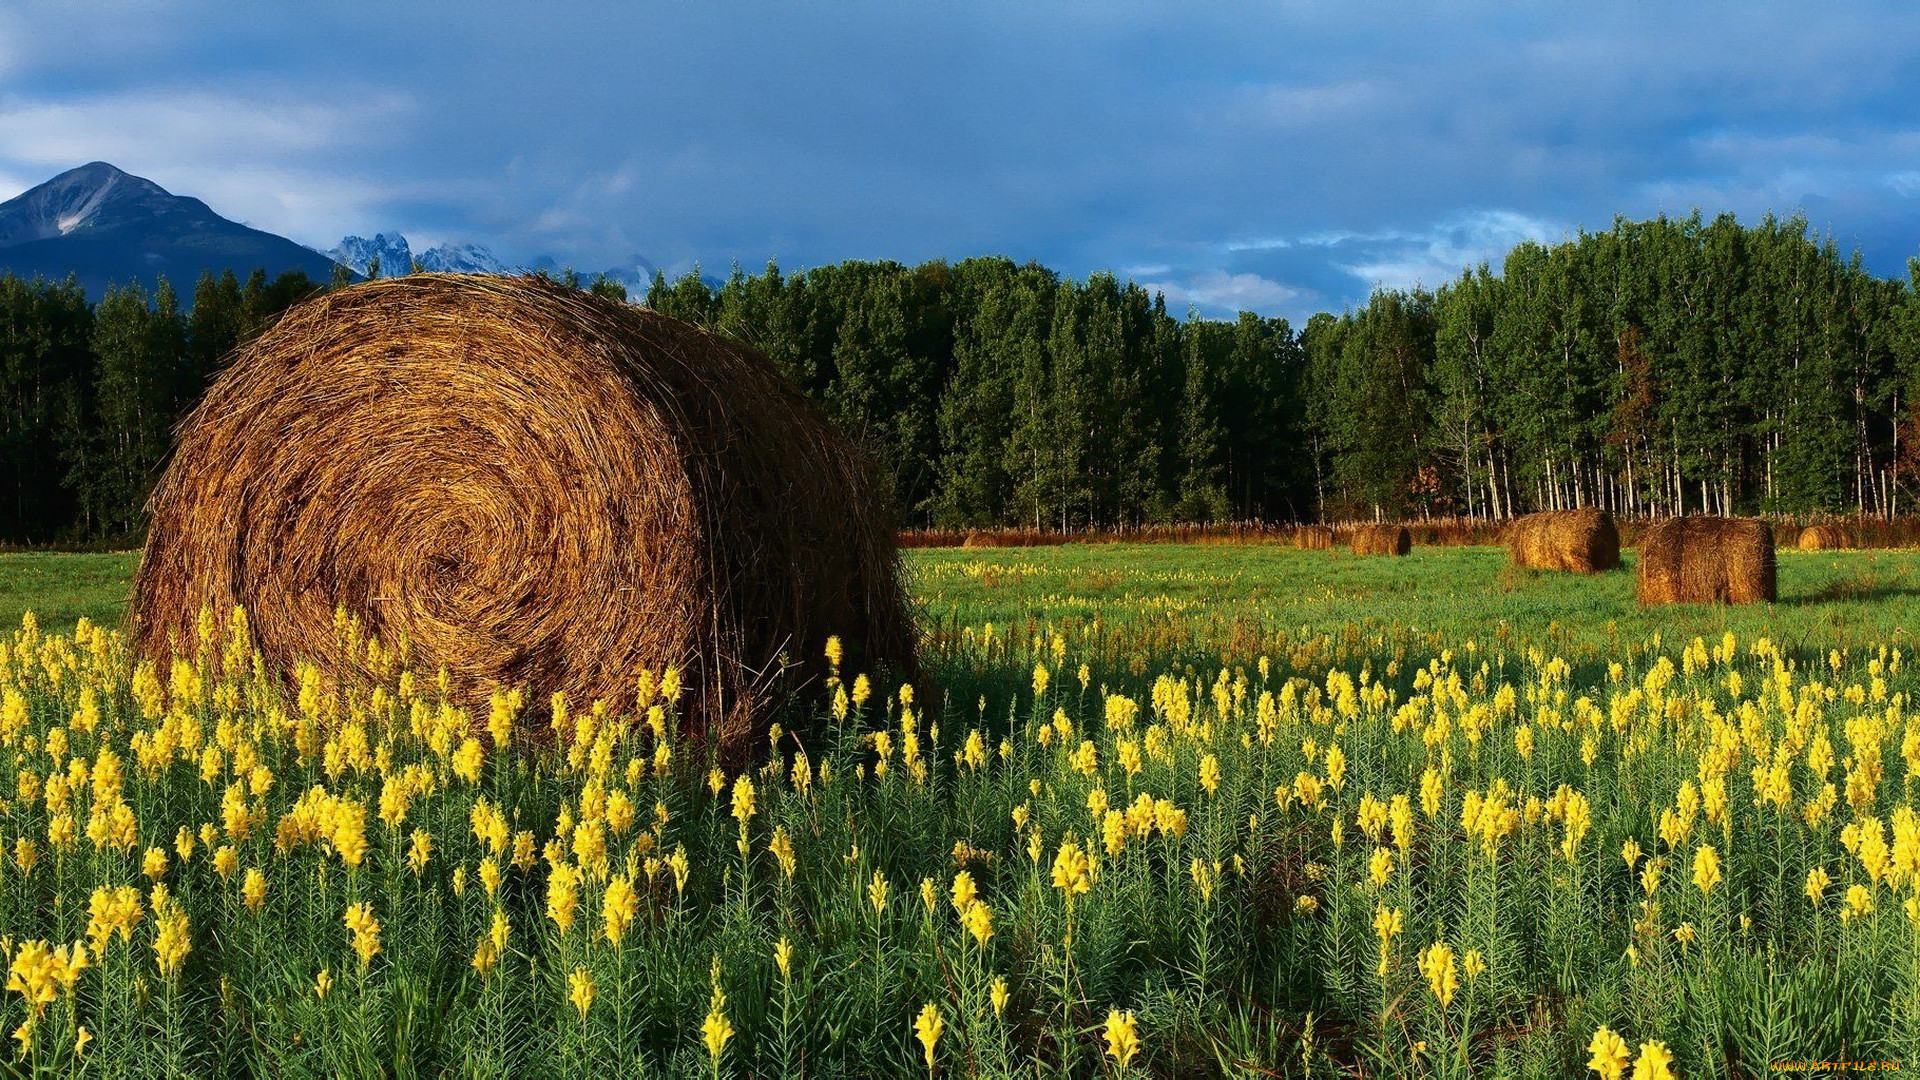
[(1072, 870), (1122, 1034), (1473, 964), (253, 893), (783, 957), (1436, 964), (715, 1030), (80, 1040), (999, 995), (1210, 774), (1654, 1063), (580, 990), (1706, 869), (743, 798), (366, 932), (1380, 867), (877, 891), (927, 1028), (619, 905), (420, 851), (964, 891), (978, 921), (485, 955), (1609, 1054)]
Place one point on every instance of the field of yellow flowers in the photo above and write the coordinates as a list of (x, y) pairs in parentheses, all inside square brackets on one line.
[(1096, 851)]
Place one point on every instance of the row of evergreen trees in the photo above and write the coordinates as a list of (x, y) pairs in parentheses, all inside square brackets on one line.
[(90, 393), (1659, 367)]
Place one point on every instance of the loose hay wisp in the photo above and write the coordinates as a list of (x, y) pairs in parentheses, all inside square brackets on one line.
[(534, 486), (1381, 540), (1705, 559), (1581, 541)]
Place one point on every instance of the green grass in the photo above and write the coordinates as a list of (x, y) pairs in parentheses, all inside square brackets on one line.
[(1827, 599), (61, 589)]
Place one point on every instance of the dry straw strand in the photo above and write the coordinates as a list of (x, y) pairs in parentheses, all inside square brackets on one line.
[(1706, 559), (1381, 540), (531, 486), (1584, 541)]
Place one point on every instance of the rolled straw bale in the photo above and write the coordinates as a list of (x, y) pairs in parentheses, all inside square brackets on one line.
[(1582, 541), (1313, 538), (535, 487), (1381, 540), (1706, 559), (1824, 537)]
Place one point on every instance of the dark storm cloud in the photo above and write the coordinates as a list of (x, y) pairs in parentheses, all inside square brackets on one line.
[(1281, 158)]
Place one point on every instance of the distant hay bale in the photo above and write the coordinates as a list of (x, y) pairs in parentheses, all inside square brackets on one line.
[(1705, 559), (1824, 537), (1313, 538), (533, 487), (1381, 540), (1582, 541)]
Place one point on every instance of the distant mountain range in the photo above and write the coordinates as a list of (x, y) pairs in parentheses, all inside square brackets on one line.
[(396, 256), (106, 226)]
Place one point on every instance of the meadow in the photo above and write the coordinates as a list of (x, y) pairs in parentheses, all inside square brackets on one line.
[(1155, 810)]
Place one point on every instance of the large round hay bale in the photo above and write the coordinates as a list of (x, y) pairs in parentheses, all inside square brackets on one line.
[(1824, 537), (1381, 540), (535, 487), (1582, 541), (1705, 559), (1313, 538)]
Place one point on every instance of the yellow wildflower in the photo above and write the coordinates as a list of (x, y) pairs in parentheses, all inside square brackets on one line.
[(1609, 1052), (927, 1027), (580, 990), (1123, 1037)]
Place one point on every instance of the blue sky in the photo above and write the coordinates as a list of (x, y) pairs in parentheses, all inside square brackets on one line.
[(1278, 157)]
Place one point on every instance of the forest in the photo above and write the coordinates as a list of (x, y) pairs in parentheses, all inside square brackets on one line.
[(1658, 367)]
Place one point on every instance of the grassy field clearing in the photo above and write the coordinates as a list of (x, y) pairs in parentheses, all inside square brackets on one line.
[(1827, 599), (1180, 811)]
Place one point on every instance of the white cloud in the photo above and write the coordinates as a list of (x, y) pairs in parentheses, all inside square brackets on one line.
[(1397, 258), (254, 159), (1218, 290)]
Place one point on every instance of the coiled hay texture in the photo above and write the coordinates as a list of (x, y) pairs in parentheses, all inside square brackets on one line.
[(536, 487), (1313, 538), (1824, 537), (1705, 559), (1581, 541), (1381, 540)]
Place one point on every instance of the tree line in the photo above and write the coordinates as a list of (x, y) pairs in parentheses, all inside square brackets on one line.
[(1659, 367)]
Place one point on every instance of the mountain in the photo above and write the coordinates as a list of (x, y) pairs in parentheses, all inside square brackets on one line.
[(357, 253), (108, 226), (397, 257), (461, 259)]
